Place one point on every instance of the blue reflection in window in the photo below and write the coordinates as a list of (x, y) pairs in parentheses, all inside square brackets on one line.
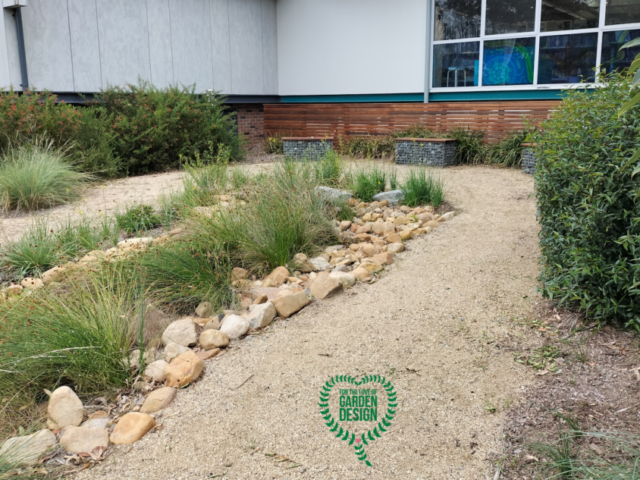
[(612, 57), (567, 58), (509, 62)]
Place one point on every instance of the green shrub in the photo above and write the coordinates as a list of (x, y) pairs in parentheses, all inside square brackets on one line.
[(137, 219), (37, 176), (157, 127), (283, 216), (421, 188), (273, 144), (588, 203), (368, 182), (329, 170), (368, 146), (79, 336), (184, 274), (469, 145), (416, 131), (508, 151)]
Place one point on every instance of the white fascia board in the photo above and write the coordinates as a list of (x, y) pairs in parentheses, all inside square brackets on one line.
[(14, 3)]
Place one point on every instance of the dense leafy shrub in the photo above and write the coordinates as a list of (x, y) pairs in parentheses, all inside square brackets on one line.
[(137, 219), (588, 203), (37, 176), (157, 127)]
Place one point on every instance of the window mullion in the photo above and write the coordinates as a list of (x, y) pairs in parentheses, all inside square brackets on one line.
[(483, 19), (536, 32)]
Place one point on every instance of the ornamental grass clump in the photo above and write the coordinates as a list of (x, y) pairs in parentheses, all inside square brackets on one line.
[(367, 182), (421, 188), (34, 176), (588, 203)]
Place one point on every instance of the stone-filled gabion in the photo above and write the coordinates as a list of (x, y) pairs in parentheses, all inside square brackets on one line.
[(426, 151), (300, 148), (529, 160)]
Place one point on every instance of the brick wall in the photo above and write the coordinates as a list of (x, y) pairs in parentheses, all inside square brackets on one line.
[(250, 118)]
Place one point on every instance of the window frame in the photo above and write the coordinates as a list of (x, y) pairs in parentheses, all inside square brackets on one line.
[(536, 33)]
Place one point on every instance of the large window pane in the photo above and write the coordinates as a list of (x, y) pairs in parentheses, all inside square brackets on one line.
[(508, 62), (622, 11), (612, 57), (457, 19), (456, 64), (569, 14), (567, 58), (510, 16)]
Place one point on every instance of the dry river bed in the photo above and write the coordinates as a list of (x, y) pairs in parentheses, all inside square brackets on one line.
[(427, 325)]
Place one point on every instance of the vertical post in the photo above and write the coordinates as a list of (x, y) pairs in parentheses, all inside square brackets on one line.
[(17, 14), (428, 60)]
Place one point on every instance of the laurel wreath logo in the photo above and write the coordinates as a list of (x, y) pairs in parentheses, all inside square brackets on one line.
[(369, 435)]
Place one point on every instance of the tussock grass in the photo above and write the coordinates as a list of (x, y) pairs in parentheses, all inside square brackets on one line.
[(367, 182), (37, 176), (138, 219), (422, 187)]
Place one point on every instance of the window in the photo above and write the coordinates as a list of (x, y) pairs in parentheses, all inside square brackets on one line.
[(612, 57), (456, 64), (509, 61), (529, 44), (510, 16)]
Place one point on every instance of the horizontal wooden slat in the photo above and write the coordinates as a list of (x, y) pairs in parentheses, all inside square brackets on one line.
[(495, 118)]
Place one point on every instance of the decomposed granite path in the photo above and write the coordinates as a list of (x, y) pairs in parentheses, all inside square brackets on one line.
[(426, 325)]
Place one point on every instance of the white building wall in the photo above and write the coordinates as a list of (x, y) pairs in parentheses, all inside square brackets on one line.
[(85, 45), (339, 47)]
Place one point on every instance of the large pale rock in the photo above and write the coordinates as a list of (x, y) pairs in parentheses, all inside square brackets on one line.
[(207, 354), (155, 371), (239, 274), (383, 258), (205, 310), (346, 279), (372, 267), (172, 350), (324, 286), (368, 249), (262, 315), (344, 225), (287, 306), (393, 197), (54, 275), (320, 263), (333, 194), (301, 262), (32, 283), (366, 228), (395, 248), (279, 276), (131, 428), (184, 369), (393, 238), (235, 326), (402, 221), (135, 244), (134, 358), (406, 235), (65, 408), (270, 292), (361, 273), (158, 399), (83, 439), (27, 449), (213, 339), (13, 290), (447, 216), (99, 419), (183, 332)]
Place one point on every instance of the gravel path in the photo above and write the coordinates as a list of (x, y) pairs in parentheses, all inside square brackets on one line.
[(429, 325)]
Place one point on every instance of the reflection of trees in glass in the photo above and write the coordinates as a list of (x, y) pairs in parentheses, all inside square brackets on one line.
[(457, 19), (509, 16), (567, 58), (614, 57)]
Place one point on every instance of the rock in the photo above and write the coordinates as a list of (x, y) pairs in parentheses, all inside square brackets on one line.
[(395, 247), (372, 267), (324, 286), (27, 449), (183, 332), (432, 224), (158, 400), (131, 428), (345, 224), (406, 234), (32, 283), (83, 439), (271, 293), (54, 275), (65, 408), (319, 263), (287, 306), (262, 315), (383, 258), (239, 274), (344, 268), (393, 197), (173, 350), (368, 249), (279, 276), (447, 216), (207, 354), (401, 221), (148, 356), (135, 244), (346, 279), (99, 419), (393, 238), (12, 290), (155, 371), (214, 323), (366, 228), (425, 217), (260, 299), (361, 273), (235, 326), (213, 339), (183, 369), (333, 194), (205, 310)]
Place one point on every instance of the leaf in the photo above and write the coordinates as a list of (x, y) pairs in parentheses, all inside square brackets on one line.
[(633, 43), (628, 105)]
